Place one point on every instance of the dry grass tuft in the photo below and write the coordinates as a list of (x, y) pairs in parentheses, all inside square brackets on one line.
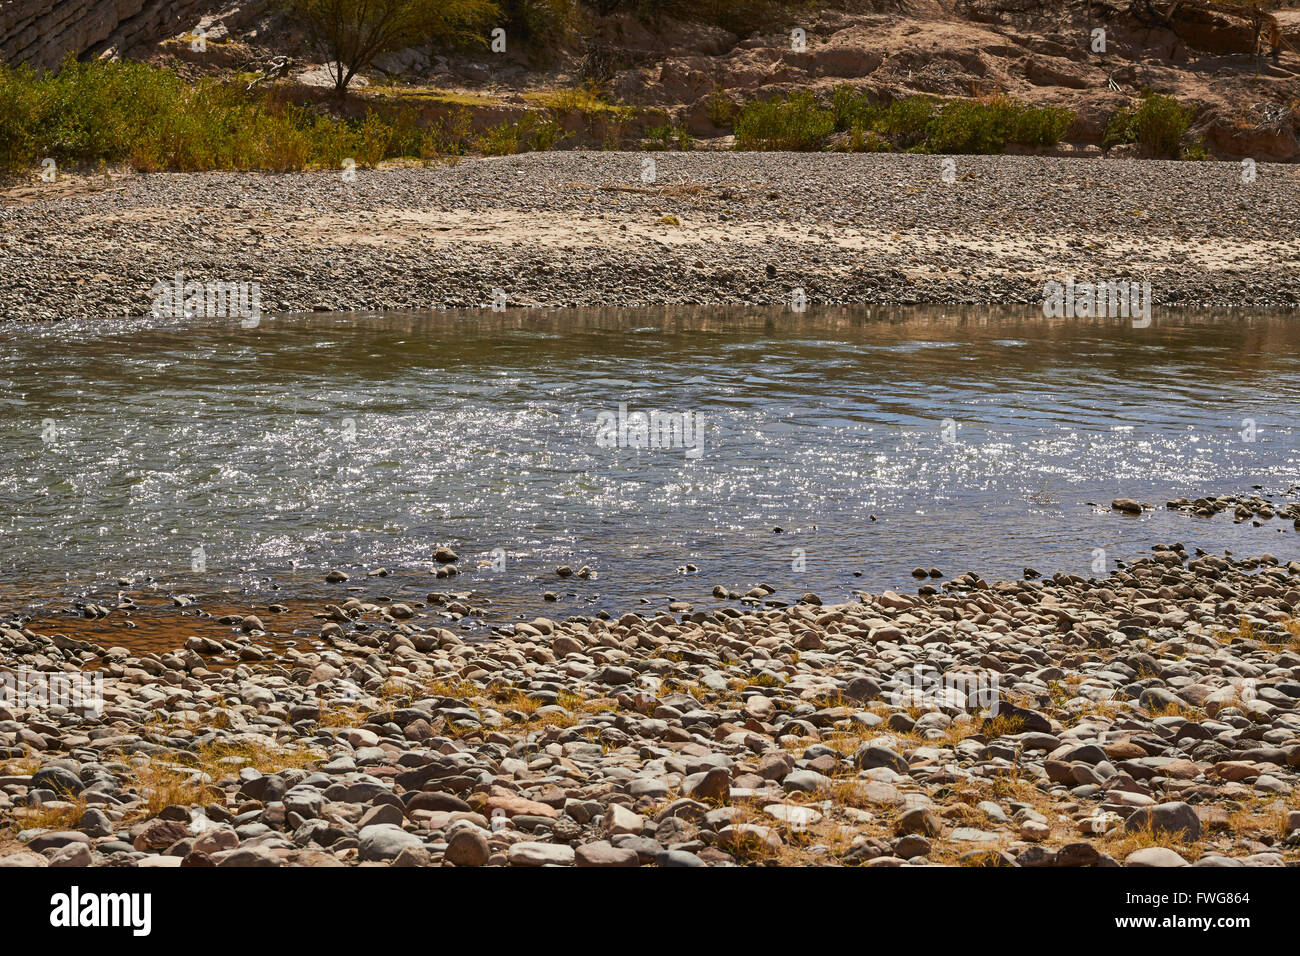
[(1120, 843), (62, 814), (161, 784)]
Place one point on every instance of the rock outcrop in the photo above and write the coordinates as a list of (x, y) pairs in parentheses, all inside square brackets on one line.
[(43, 32)]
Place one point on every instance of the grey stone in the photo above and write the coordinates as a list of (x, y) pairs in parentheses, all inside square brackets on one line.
[(383, 841), (1154, 856), (529, 853)]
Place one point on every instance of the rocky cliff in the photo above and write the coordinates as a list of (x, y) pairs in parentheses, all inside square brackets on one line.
[(43, 32)]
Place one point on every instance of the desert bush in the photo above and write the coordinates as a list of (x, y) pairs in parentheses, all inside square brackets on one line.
[(915, 123), (989, 126), (971, 126), (906, 120), (349, 34), (852, 108), (669, 136), (102, 112), (446, 136), (1042, 126), (1157, 126), (526, 135), (722, 109), (793, 122)]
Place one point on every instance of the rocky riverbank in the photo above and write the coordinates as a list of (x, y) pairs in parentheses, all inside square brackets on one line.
[(1145, 719), (585, 228)]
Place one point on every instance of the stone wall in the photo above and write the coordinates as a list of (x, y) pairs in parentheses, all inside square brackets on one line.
[(43, 32)]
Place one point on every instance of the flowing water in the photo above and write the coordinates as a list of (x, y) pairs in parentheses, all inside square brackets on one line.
[(877, 440)]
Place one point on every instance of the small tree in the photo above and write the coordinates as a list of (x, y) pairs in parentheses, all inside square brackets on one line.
[(351, 33)]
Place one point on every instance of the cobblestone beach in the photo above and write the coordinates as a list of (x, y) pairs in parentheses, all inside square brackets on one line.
[(587, 228)]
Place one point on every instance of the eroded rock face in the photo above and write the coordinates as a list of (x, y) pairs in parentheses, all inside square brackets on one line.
[(1210, 30), (42, 32), (1266, 142), (947, 52)]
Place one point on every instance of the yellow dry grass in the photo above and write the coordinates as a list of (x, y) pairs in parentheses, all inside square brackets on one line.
[(1121, 842), (161, 783), (64, 814)]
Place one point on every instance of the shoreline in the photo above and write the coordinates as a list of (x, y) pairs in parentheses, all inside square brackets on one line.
[(1147, 718), (583, 229), (479, 603)]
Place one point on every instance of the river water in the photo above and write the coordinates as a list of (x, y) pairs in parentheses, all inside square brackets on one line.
[(205, 457)]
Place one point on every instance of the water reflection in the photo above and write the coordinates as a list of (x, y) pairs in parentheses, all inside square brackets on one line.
[(875, 439)]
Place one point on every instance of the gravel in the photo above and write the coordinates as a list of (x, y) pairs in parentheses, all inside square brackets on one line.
[(584, 228), (393, 742)]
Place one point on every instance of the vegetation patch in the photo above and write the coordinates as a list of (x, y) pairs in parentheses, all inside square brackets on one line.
[(795, 122), (1157, 125), (152, 119), (98, 113), (668, 136), (527, 135), (853, 122)]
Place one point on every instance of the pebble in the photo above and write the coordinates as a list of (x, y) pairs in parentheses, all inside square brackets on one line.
[(1138, 701), (300, 265)]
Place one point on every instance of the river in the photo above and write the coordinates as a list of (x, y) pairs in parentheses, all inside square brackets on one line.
[(200, 456)]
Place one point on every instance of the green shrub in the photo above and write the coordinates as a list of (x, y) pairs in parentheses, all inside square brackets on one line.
[(861, 140), (1043, 126), (793, 122), (669, 136), (1119, 129), (916, 124), (501, 140), (446, 136), (988, 126), (18, 117), (1157, 126), (907, 116), (846, 107), (542, 135), (101, 112), (527, 135), (854, 109), (722, 109), (904, 121), (1161, 122), (968, 126)]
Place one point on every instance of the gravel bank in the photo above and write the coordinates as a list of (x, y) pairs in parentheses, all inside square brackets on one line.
[(582, 228), (1149, 718)]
